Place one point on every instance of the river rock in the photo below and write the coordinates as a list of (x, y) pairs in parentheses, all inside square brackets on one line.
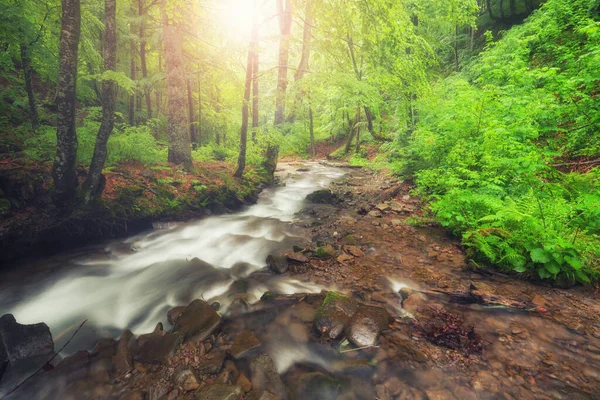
[(265, 377), (245, 344), (174, 313), (375, 214), (19, 342), (297, 257), (324, 196), (322, 238), (366, 325), (72, 368), (220, 392), (316, 385), (186, 379), (244, 383), (354, 250), (123, 360), (277, 264), (158, 349), (211, 363), (334, 314), (351, 367), (382, 207), (325, 251), (261, 395), (198, 321)]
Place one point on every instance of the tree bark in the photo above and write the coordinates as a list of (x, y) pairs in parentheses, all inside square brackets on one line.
[(64, 168), (285, 28), (191, 114), (93, 185), (27, 75), (132, 69), (357, 127), (177, 129), (144, 65), (248, 87), (311, 128), (255, 89)]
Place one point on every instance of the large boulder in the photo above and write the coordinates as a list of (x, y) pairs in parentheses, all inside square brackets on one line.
[(158, 349), (334, 314), (19, 342), (198, 321), (366, 325)]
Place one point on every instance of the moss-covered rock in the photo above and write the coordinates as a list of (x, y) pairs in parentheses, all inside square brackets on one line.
[(332, 317)]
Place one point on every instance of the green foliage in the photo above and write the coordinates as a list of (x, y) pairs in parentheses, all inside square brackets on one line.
[(487, 137)]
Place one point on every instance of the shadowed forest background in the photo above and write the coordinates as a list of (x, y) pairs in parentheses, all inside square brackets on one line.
[(119, 112)]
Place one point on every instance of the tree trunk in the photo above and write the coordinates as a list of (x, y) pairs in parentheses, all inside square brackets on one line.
[(132, 69), (147, 96), (93, 185), (513, 7), (357, 129), (456, 61), (304, 60), (312, 130), (255, 92), (191, 114), (64, 168), (26, 65), (370, 118), (177, 130), (285, 28), (248, 87)]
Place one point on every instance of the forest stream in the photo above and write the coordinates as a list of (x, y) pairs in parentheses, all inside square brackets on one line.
[(274, 338)]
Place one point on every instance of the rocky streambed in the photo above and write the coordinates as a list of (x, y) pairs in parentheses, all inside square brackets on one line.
[(332, 297)]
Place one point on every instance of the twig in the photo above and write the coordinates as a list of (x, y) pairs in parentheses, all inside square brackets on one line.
[(359, 348), (592, 162), (46, 363)]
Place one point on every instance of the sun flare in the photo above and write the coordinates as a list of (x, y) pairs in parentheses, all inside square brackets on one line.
[(236, 16)]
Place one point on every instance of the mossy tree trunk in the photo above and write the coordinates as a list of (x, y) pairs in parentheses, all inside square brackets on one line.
[(64, 168), (93, 185)]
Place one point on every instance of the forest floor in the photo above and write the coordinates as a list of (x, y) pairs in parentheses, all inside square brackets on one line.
[(549, 350)]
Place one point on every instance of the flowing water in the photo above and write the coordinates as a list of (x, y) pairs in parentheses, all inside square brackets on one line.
[(132, 284)]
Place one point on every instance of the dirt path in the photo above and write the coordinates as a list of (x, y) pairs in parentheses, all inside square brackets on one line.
[(553, 354)]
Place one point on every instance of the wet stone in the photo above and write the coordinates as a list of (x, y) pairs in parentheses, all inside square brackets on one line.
[(316, 385), (174, 313), (277, 264), (244, 383), (20, 342), (334, 314), (261, 395), (211, 363), (158, 349), (134, 395), (324, 196), (325, 251), (244, 344), (123, 360), (265, 377), (198, 321), (375, 214), (366, 325), (186, 379), (297, 257), (157, 392)]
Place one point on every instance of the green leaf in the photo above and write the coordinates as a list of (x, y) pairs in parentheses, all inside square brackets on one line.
[(540, 255), (576, 263), (553, 267), (581, 277)]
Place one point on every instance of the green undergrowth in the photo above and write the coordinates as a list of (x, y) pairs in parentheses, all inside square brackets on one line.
[(488, 137)]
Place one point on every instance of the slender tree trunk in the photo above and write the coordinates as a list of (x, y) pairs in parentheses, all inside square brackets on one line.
[(255, 89), (199, 112), (64, 168), (191, 114), (144, 65), (285, 27), (513, 7), (304, 60), (248, 87), (26, 65), (93, 184), (158, 92), (456, 35), (132, 69), (357, 129), (177, 131), (218, 111), (311, 128)]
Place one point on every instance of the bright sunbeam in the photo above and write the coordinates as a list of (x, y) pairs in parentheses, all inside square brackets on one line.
[(235, 17)]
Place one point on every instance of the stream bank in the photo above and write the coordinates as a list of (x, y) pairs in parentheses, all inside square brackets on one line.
[(135, 197)]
